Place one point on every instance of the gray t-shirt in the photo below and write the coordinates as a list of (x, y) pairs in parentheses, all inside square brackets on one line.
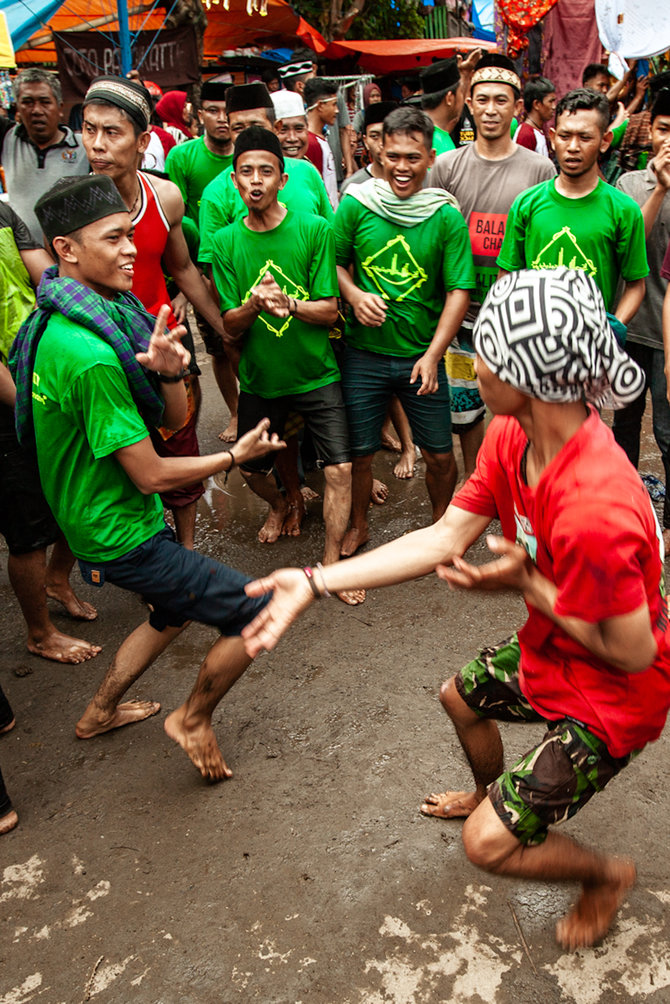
[(356, 179), (485, 190), (333, 135), (646, 327), (30, 172)]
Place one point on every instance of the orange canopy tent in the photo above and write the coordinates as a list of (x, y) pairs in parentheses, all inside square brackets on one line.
[(226, 29), (403, 54)]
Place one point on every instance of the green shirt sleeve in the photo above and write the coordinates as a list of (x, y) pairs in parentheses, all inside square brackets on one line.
[(174, 171), (631, 248), (344, 228), (215, 213), (458, 271), (224, 275), (322, 271), (100, 402), (512, 255), (618, 134)]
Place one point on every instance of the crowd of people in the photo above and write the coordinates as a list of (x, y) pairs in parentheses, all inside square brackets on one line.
[(362, 282)]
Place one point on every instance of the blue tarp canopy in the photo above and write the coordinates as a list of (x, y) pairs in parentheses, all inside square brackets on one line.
[(25, 17)]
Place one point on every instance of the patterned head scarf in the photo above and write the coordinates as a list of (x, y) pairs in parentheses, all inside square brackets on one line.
[(547, 334)]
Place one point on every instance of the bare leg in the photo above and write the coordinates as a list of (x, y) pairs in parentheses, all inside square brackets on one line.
[(404, 469), (357, 534), (27, 574), (286, 463), (191, 724), (265, 487), (224, 374), (389, 441), (135, 655), (441, 473), (336, 508), (184, 524), (605, 880), (58, 585), (480, 739), (470, 443)]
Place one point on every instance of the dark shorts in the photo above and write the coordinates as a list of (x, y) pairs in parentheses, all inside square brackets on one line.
[(26, 521), (551, 782), (369, 380), (180, 585), (323, 413)]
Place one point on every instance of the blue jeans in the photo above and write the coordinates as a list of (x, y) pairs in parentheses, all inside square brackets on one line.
[(628, 421)]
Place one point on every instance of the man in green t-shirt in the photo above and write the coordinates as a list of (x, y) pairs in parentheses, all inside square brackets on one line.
[(275, 274), (442, 100), (93, 370), (220, 204), (409, 291), (576, 219), (192, 165)]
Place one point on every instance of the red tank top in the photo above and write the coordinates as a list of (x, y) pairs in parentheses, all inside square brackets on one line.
[(151, 234)]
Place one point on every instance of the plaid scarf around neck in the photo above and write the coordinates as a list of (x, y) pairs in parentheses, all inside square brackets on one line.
[(122, 323)]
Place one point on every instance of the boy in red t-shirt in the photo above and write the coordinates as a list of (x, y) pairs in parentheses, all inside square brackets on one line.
[(582, 545)]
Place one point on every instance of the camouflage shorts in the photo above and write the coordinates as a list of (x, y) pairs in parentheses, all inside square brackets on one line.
[(551, 782)]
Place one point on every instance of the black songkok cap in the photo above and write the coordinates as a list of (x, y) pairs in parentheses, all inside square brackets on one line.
[(75, 202), (243, 97), (661, 105), (440, 76), (128, 95), (659, 80), (213, 90), (257, 138), (377, 112)]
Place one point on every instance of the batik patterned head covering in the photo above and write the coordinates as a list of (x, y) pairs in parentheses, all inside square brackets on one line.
[(546, 333)]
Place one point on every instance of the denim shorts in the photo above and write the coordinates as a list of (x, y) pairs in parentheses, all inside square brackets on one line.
[(180, 585), (370, 379)]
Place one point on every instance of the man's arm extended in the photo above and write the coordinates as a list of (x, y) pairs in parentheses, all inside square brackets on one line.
[(455, 306), (151, 473), (408, 557), (653, 204), (632, 297)]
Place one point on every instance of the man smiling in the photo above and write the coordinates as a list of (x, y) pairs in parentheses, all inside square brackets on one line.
[(412, 272)]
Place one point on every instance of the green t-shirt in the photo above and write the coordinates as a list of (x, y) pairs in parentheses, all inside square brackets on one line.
[(221, 203), (442, 141), (602, 234), (280, 356), (412, 268), (192, 166), (83, 411)]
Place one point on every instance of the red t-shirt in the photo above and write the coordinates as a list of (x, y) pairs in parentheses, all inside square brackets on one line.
[(314, 151), (590, 528)]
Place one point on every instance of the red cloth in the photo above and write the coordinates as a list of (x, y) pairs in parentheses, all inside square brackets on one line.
[(519, 16), (151, 234), (591, 523), (171, 110), (167, 141), (526, 137), (314, 152), (564, 61)]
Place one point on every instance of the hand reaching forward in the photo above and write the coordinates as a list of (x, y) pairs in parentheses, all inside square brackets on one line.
[(512, 570), (256, 443), (165, 354), (291, 595)]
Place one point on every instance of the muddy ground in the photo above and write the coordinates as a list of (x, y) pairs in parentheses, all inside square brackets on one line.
[(310, 876)]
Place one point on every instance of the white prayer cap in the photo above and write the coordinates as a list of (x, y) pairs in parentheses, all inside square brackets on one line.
[(287, 104)]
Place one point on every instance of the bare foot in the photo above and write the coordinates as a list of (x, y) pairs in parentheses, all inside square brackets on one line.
[(8, 821), (200, 746), (293, 522), (78, 609), (229, 434), (390, 443), (308, 494), (666, 542), (404, 469), (353, 597), (272, 527), (90, 724), (8, 727), (62, 648), (450, 804), (353, 539), (589, 921), (379, 493)]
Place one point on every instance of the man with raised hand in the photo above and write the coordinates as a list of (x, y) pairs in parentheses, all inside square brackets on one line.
[(94, 371), (485, 176), (583, 547), (408, 289)]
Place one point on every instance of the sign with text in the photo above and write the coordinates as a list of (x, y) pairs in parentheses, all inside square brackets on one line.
[(172, 59)]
